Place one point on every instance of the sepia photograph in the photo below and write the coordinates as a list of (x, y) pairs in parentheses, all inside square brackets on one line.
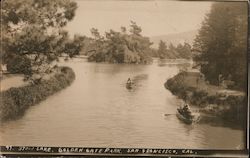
[(142, 74)]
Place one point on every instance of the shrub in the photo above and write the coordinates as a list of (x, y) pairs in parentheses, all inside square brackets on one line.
[(237, 109), (15, 101)]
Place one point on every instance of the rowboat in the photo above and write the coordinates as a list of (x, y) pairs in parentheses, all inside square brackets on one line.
[(129, 85), (188, 119)]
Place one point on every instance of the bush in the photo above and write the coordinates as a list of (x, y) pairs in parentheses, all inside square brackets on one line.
[(212, 99), (19, 64), (199, 94), (15, 101)]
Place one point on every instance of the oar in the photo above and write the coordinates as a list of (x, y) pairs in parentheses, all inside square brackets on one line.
[(168, 114), (198, 110)]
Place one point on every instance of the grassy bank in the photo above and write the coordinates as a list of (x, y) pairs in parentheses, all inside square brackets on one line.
[(215, 103), (15, 101)]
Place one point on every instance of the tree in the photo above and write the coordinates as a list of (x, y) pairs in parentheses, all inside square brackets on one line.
[(123, 29), (171, 52), (121, 47), (184, 50), (162, 49), (135, 29), (33, 30), (74, 46), (222, 43), (45, 13), (96, 34), (19, 64)]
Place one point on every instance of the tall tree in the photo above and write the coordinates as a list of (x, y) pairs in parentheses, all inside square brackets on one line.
[(222, 43), (32, 33), (162, 49)]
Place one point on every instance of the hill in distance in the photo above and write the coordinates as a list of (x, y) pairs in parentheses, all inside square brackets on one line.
[(175, 38)]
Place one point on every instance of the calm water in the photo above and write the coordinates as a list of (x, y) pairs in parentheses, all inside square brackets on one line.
[(98, 111)]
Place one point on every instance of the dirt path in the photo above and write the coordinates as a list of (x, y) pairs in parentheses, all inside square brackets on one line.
[(194, 80), (10, 80)]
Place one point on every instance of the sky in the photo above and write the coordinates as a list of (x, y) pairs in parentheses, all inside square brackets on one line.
[(156, 17)]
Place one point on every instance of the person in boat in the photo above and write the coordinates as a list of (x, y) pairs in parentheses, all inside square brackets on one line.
[(186, 111), (129, 81)]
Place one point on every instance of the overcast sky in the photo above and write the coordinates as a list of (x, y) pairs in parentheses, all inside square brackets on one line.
[(156, 17)]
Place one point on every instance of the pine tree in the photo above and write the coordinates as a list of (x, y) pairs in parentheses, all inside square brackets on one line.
[(162, 49), (222, 43)]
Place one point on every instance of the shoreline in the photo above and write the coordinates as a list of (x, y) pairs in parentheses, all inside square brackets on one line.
[(15, 101), (217, 106)]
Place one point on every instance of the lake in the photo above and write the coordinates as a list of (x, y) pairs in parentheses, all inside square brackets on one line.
[(98, 111)]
